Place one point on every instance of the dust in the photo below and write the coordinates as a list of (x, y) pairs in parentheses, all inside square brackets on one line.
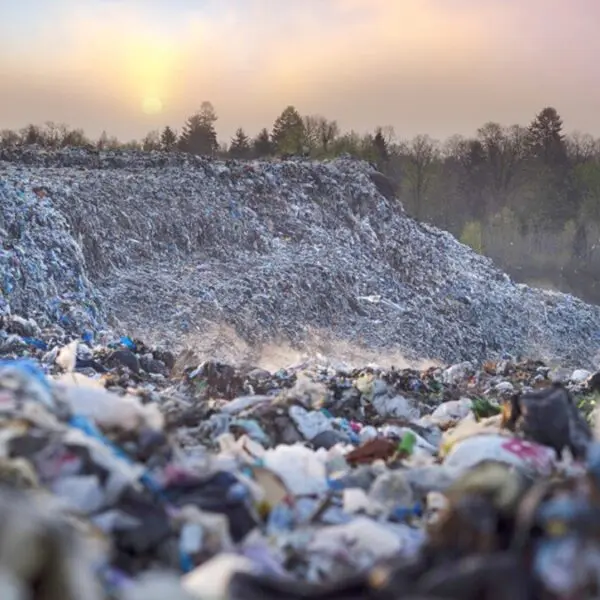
[(221, 342), (542, 283)]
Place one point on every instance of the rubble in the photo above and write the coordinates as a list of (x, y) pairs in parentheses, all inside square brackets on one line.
[(219, 481), (171, 244)]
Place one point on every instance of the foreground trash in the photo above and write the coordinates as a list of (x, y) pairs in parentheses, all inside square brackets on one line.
[(136, 475)]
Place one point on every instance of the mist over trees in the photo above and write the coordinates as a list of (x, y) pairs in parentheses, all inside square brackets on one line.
[(528, 195)]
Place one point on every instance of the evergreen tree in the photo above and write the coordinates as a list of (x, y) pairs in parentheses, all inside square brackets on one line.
[(168, 139), (381, 147), (289, 134), (545, 138), (102, 142), (556, 199), (199, 135), (262, 144), (240, 145)]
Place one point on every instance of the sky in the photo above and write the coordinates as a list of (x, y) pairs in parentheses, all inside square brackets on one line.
[(422, 66)]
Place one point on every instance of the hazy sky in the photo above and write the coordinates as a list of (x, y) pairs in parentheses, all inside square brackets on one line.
[(423, 66)]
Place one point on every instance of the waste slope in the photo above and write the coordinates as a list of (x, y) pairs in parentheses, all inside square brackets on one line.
[(273, 249), (42, 265)]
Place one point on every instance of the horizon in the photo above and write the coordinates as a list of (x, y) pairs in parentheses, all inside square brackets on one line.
[(131, 67)]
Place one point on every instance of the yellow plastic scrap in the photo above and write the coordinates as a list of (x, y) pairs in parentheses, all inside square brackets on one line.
[(556, 528), (18, 473), (364, 384), (469, 428)]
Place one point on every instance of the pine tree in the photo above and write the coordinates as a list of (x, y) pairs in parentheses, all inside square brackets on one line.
[(380, 146), (545, 138), (199, 135), (102, 142), (545, 143), (168, 139), (240, 145), (262, 145), (289, 134)]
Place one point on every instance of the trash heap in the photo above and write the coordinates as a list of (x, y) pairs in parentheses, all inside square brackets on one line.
[(42, 266), (136, 473), (164, 246)]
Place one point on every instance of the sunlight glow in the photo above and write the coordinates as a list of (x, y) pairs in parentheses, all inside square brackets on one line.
[(149, 69), (152, 105)]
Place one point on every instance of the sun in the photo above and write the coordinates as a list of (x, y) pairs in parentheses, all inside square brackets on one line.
[(151, 105)]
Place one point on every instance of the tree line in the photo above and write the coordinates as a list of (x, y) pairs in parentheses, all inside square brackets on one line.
[(291, 134), (527, 195)]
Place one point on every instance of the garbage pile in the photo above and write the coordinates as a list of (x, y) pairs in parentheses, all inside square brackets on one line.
[(163, 246), (135, 473), (42, 266)]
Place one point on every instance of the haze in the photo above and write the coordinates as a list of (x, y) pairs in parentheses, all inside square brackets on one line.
[(435, 66)]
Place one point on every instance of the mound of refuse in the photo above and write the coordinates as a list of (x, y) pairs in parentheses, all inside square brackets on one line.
[(126, 474), (162, 246)]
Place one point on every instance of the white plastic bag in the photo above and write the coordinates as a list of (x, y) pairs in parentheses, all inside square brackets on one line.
[(528, 456)]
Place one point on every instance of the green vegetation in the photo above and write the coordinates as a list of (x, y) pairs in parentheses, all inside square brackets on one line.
[(482, 408), (527, 196)]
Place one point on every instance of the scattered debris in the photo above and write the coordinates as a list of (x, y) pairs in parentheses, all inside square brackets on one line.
[(195, 481)]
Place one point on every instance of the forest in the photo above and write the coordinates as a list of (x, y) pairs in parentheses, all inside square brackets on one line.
[(526, 195)]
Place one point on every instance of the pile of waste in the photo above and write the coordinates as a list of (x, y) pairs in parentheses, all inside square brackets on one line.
[(130, 472), (163, 246)]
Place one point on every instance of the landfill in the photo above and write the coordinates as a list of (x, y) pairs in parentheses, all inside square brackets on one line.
[(134, 467), (291, 250)]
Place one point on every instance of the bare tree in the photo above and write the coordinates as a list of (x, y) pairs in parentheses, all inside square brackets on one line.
[(113, 143), (132, 145), (320, 132), (102, 142), (311, 131), (63, 132), (504, 149), (328, 133), (52, 134), (9, 138), (422, 152), (454, 147), (582, 147), (389, 135), (151, 141), (32, 134)]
